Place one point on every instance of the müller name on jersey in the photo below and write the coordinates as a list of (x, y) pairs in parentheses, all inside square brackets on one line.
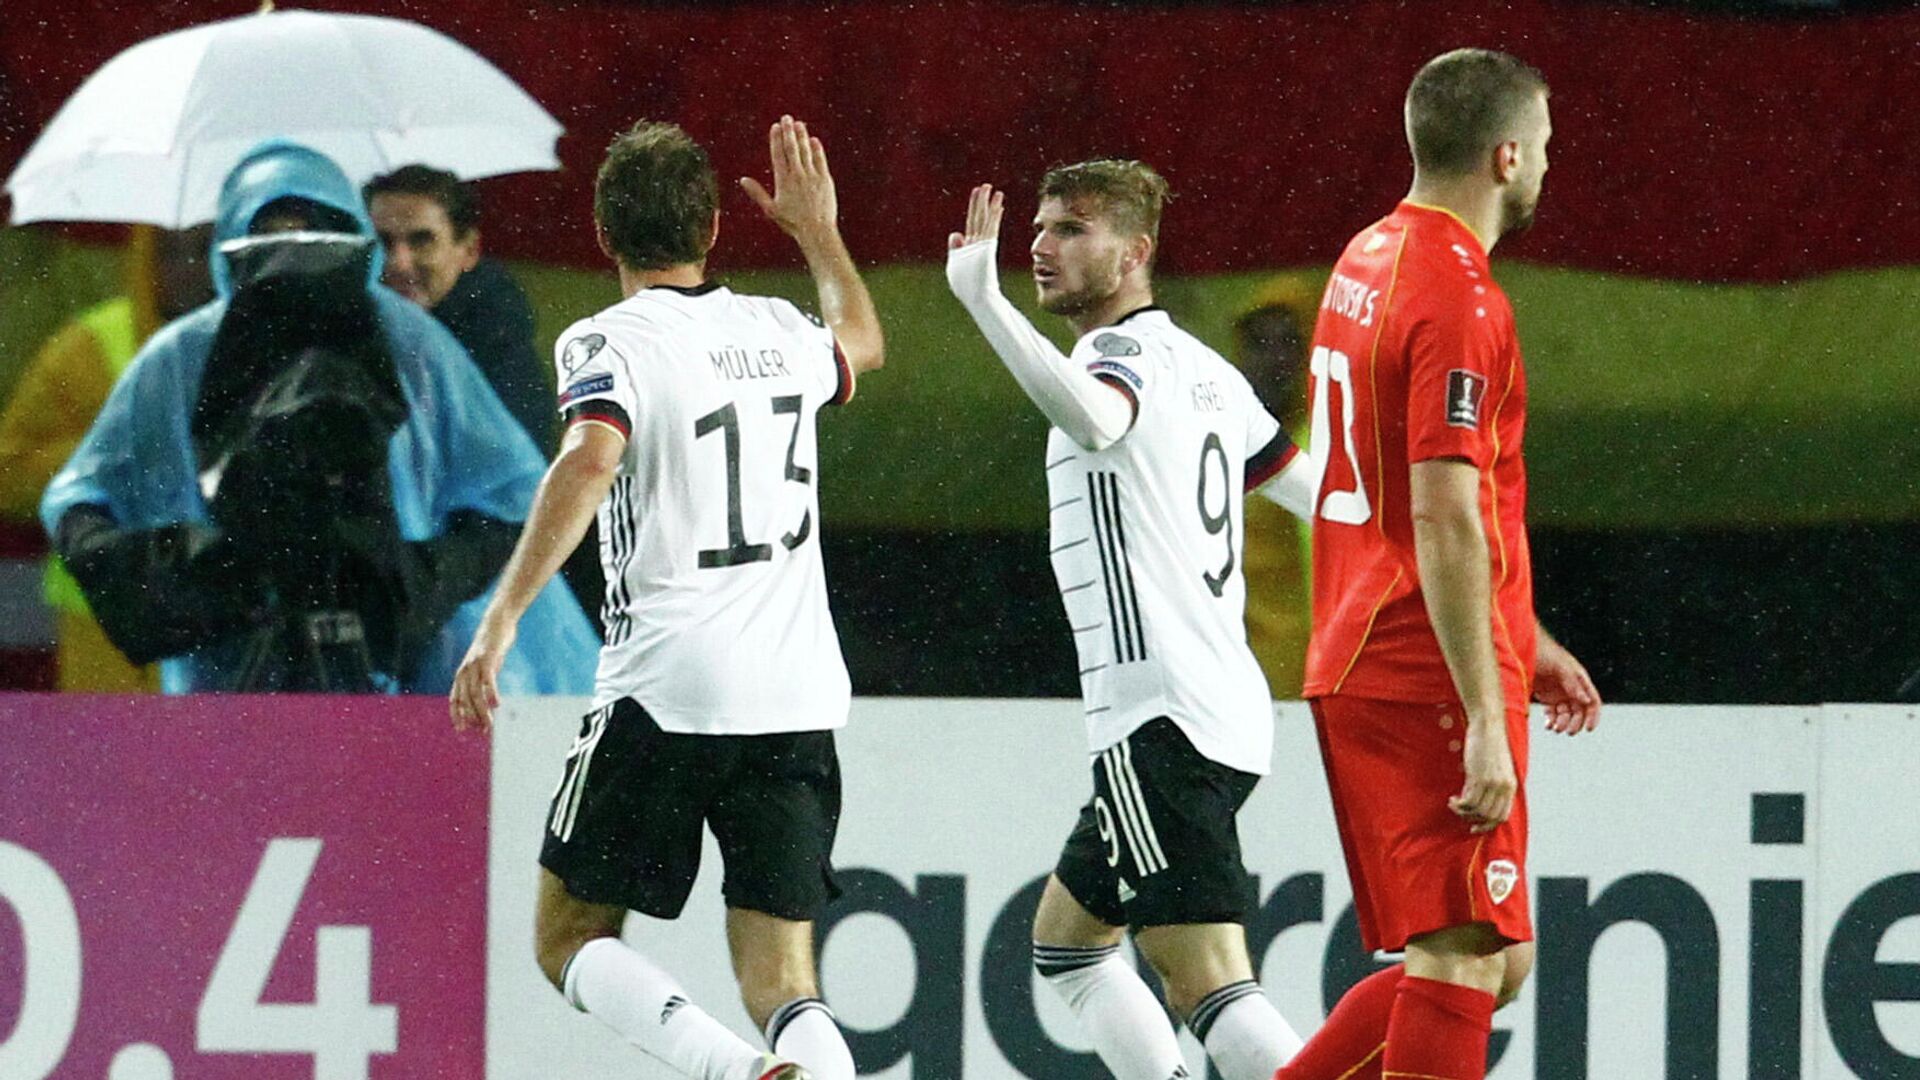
[(738, 363)]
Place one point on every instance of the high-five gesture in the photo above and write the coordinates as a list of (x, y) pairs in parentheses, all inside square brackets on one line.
[(803, 202), (805, 205), (984, 207)]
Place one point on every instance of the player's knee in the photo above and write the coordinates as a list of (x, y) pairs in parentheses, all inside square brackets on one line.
[(553, 949), (1519, 965), (562, 925), (1471, 955), (1060, 920), (1193, 961), (764, 992)]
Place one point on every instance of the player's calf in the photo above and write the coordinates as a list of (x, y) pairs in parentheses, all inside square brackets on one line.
[(1519, 961), (1077, 954), (1443, 1012), (563, 924), (1209, 981), (773, 961), (579, 949)]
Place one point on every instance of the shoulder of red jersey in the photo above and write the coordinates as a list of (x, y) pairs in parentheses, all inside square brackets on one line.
[(1373, 239), (1445, 276)]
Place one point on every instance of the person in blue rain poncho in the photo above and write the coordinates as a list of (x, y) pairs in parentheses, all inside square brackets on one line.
[(232, 500)]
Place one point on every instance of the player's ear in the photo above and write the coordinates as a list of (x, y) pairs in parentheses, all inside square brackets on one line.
[(1139, 252), (606, 246), (1506, 161), (713, 230), (469, 245)]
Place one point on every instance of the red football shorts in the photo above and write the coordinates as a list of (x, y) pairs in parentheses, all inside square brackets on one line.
[(1416, 867)]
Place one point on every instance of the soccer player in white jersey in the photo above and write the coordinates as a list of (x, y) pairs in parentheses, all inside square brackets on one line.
[(690, 427), (1155, 438)]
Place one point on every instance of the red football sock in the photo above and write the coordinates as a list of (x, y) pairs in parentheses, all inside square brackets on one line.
[(1438, 1032), (1348, 1045)]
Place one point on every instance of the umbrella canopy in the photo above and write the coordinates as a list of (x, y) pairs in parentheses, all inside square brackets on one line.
[(149, 137)]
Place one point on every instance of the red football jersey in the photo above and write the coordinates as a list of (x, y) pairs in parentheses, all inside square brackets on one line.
[(1415, 357)]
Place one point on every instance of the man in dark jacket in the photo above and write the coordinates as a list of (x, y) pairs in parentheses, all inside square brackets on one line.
[(429, 223)]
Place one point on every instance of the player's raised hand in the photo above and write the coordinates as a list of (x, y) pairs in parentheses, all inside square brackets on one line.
[(803, 202), (476, 686), (1562, 684), (1486, 798), (984, 207)]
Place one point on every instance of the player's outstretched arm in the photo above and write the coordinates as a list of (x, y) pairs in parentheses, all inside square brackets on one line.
[(562, 509), (805, 206), (1294, 486), (1562, 684), (1092, 413), (1456, 581)]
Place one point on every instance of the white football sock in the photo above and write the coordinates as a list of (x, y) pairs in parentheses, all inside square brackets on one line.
[(630, 994), (1243, 1033), (1120, 1016), (804, 1031)]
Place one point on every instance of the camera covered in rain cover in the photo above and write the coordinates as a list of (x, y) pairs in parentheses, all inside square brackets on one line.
[(297, 407), (300, 579)]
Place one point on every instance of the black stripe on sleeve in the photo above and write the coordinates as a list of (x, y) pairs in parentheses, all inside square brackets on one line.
[(843, 390), (1267, 462), (602, 410)]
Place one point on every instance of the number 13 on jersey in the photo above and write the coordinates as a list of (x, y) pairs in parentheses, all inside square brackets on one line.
[(1348, 505)]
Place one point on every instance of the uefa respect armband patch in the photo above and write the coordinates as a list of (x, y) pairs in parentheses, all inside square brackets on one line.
[(1118, 370), (599, 384)]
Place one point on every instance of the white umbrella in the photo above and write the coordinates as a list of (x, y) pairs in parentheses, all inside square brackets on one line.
[(149, 137)]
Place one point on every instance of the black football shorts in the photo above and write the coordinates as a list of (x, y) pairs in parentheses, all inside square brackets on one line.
[(1158, 844), (624, 827)]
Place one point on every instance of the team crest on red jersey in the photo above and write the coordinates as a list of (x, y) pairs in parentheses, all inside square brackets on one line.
[(1502, 876), (1465, 391)]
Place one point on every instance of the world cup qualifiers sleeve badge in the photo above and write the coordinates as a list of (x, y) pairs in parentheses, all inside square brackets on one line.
[(580, 350)]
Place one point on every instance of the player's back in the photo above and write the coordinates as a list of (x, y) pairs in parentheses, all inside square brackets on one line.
[(1414, 358), (1146, 545), (716, 609)]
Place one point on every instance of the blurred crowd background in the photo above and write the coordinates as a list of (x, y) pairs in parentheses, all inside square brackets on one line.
[(1719, 304)]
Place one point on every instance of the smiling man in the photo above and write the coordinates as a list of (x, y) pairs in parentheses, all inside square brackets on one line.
[(429, 223), (1155, 439)]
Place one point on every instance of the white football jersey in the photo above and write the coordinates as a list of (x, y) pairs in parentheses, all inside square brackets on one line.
[(1146, 543), (716, 607)]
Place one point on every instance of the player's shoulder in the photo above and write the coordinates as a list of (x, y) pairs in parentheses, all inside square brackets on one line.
[(1439, 284), (1441, 259), (1179, 349), (1141, 336), (1136, 349), (653, 317), (777, 311), (594, 338)]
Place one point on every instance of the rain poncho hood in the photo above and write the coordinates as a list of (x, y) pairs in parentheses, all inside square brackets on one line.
[(458, 449), (275, 170)]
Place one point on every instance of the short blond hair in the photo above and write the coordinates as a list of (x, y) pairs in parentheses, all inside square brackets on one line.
[(1131, 195)]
